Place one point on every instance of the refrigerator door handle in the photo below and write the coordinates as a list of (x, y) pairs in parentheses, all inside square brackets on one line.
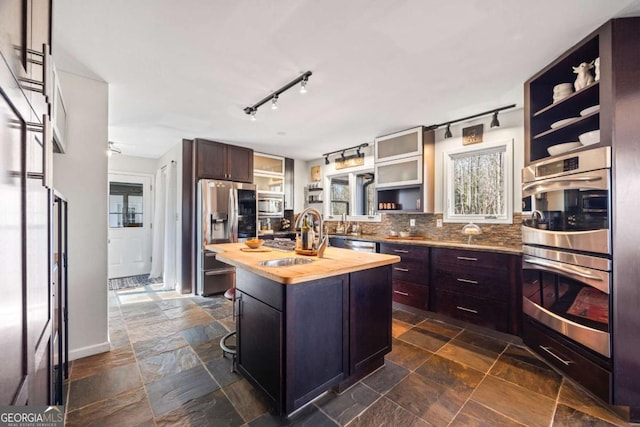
[(233, 215)]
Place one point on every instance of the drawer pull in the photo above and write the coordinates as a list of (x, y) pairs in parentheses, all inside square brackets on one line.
[(401, 251), (209, 254), (473, 282), (467, 258), (470, 310), (548, 350), (404, 294), (401, 269)]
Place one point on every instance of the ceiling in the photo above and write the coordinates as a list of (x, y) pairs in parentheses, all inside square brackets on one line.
[(185, 69)]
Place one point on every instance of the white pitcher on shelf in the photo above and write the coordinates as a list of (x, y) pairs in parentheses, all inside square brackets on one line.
[(596, 64)]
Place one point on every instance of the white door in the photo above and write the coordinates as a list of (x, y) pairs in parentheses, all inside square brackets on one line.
[(129, 225)]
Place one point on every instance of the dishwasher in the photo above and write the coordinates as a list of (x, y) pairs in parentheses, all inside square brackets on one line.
[(361, 246)]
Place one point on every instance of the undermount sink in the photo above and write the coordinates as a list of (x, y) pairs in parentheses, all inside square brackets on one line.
[(284, 262)]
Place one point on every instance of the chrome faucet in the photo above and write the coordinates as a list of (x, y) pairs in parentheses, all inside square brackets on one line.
[(322, 245), (537, 216)]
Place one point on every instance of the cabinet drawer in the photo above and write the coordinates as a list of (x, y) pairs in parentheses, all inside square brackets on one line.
[(473, 281), (461, 259), (479, 311), (564, 355), (406, 252), (411, 271), (411, 294)]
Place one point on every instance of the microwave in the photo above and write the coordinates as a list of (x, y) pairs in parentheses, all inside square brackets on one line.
[(271, 206)]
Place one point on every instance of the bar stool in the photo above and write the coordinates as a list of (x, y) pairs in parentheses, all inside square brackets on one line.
[(230, 295)]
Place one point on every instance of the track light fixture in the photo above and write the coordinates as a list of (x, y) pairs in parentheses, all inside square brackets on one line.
[(274, 96), (494, 120), (447, 133), (112, 149), (343, 152)]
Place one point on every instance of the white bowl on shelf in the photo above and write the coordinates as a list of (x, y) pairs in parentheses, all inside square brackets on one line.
[(554, 150), (589, 138), (563, 87), (590, 110), (562, 122)]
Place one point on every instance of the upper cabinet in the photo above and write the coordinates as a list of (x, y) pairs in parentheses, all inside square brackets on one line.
[(215, 160), (580, 91), (404, 171), (407, 143), (268, 164)]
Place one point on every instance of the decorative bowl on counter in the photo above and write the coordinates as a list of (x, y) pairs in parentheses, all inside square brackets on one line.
[(393, 233), (554, 150), (405, 233), (254, 243), (589, 138)]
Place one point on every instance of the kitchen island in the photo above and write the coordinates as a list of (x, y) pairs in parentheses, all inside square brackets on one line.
[(307, 328)]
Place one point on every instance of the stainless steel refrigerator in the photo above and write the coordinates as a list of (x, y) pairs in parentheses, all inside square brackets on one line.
[(228, 212)]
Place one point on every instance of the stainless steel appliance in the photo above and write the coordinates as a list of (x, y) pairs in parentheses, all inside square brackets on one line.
[(361, 246), (271, 206), (570, 202), (567, 265), (228, 213)]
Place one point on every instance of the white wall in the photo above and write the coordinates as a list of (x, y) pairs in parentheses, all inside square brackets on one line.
[(175, 154), (81, 176), (511, 127), (122, 163)]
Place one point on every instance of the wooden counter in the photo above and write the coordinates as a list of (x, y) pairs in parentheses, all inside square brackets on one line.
[(336, 261)]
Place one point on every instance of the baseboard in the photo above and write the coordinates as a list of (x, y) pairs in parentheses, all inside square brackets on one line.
[(79, 353)]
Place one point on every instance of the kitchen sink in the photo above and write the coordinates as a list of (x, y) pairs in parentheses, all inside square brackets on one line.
[(285, 262)]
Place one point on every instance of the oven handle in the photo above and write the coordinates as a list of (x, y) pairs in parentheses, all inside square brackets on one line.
[(543, 185), (570, 270)]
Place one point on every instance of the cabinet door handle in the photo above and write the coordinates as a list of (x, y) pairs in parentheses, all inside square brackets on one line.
[(470, 310), (405, 294), (401, 251), (401, 269), (548, 350), (466, 258), (473, 282), (210, 254)]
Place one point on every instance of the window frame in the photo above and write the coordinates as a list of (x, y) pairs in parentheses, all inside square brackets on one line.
[(450, 156), (353, 194)]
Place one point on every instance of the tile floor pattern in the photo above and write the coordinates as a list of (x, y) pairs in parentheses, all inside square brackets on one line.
[(165, 368)]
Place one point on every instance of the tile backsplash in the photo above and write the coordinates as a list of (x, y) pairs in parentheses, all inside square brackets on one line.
[(492, 234)]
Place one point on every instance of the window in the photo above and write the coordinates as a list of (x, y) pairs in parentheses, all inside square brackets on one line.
[(479, 184), (125, 205), (352, 194)]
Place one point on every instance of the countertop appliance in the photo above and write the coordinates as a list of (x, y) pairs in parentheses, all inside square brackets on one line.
[(228, 212)]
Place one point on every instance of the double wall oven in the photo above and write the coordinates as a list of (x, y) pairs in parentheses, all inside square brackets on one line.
[(567, 255)]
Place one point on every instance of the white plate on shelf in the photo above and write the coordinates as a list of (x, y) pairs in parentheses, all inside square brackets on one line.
[(554, 150), (562, 122), (590, 110), (589, 138)]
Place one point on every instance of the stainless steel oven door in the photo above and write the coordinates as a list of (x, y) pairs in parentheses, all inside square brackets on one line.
[(560, 219), (569, 293)]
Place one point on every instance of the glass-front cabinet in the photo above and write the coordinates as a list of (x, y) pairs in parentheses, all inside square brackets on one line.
[(268, 164), (395, 173), (399, 145)]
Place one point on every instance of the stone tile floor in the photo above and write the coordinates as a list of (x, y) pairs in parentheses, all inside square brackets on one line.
[(165, 368)]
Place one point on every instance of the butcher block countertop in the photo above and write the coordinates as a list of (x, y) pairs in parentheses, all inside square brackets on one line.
[(336, 261)]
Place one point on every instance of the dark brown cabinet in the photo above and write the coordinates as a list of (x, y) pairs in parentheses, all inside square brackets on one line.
[(478, 287), (616, 44), (215, 160), (297, 341), (410, 275)]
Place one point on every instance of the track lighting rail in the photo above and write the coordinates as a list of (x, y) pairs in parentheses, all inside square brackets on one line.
[(494, 120), (273, 96), (344, 150)]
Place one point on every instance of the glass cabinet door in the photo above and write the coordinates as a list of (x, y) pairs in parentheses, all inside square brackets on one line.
[(399, 172), (398, 145), (268, 183), (265, 163)]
